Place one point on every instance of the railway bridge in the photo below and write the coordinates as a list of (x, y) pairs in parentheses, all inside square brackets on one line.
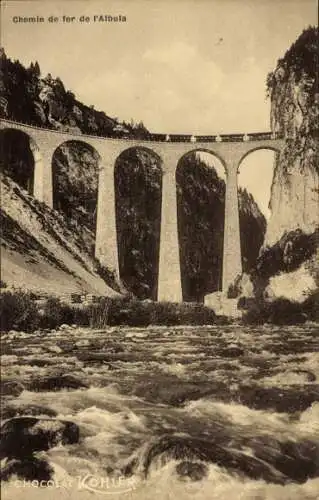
[(230, 149)]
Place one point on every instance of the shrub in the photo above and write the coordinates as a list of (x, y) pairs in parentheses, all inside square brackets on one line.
[(132, 312), (76, 298), (256, 314), (167, 313), (246, 302), (98, 312), (235, 288), (18, 311), (279, 312), (56, 313), (138, 314), (285, 312), (310, 307), (52, 315), (3, 284), (127, 311)]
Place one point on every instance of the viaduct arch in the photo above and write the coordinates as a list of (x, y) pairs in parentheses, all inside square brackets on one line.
[(138, 196), (200, 213), (31, 155), (88, 188), (231, 149)]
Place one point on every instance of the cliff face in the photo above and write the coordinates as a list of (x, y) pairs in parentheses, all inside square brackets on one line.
[(294, 94), (287, 267), (252, 224)]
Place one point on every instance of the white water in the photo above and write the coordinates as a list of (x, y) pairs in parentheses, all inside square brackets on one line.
[(146, 387)]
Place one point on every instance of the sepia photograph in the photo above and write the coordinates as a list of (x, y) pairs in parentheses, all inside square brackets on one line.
[(159, 249)]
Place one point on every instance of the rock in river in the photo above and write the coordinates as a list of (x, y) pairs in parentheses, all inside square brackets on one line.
[(29, 468), (22, 436), (56, 383), (10, 388), (192, 470), (11, 411)]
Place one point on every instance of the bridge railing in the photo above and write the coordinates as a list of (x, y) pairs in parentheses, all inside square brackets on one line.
[(153, 137)]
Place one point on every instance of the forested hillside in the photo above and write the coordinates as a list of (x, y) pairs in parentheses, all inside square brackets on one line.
[(29, 97)]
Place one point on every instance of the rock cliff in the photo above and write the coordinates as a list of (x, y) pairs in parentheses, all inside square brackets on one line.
[(294, 94), (286, 272)]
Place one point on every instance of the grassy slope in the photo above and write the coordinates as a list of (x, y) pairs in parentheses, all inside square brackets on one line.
[(39, 251)]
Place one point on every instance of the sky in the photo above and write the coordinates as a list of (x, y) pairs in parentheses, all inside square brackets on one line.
[(180, 66)]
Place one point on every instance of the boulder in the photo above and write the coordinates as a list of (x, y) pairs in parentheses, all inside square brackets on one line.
[(56, 383), (11, 411), (195, 471), (29, 468), (22, 436), (294, 286), (230, 352), (10, 388), (175, 392), (55, 349), (282, 400), (193, 451)]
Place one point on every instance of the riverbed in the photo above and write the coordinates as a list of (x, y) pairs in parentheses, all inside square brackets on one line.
[(211, 412)]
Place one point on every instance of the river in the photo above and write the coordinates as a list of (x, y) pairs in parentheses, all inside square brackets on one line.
[(211, 412)]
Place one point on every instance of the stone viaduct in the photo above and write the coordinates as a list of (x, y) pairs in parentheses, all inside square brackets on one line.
[(231, 151)]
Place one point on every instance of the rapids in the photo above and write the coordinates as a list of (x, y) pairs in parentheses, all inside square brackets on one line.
[(212, 412)]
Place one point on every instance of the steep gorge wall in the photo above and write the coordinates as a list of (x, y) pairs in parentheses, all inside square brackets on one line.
[(294, 93), (287, 267)]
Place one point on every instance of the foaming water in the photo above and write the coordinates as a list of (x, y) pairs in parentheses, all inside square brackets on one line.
[(174, 413), (164, 484), (280, 425)]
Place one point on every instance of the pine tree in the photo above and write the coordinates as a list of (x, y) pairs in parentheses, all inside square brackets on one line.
[(37, 71)]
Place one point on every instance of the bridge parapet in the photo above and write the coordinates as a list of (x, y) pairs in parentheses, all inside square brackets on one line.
[(153, 137)]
